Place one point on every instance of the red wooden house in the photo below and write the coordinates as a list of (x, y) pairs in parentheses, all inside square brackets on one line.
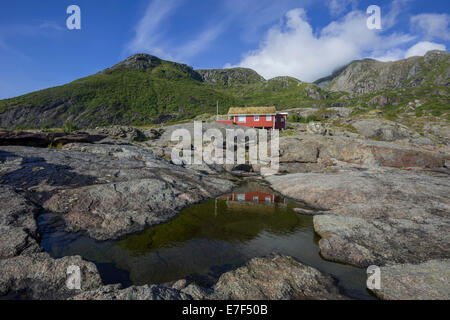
[(257, 117)]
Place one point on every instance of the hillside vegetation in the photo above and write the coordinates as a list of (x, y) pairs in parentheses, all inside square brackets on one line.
[(144, 90)]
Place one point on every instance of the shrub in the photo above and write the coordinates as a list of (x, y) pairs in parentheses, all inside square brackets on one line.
[(70, 126), (297, 118)]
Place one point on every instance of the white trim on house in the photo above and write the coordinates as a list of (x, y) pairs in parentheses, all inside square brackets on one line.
[(256, 118), (242, 119), (268, 118)]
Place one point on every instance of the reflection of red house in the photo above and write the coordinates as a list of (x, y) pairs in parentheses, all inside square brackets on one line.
[(257, 117), (251, 196)]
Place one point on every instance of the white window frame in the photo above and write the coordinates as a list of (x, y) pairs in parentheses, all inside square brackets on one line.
[(242, 119), (256, 199), (241, 197), (256, 118), (268, 199), (268, 118)]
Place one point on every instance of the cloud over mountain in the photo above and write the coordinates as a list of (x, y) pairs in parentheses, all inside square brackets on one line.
[(294, 48)]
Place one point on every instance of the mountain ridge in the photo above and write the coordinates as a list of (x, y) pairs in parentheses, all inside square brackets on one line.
[(369, 75), (144, 89)]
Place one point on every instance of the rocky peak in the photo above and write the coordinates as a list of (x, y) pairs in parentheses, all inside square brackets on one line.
[(139, 61), (163, 68), (436, 54), (285, 80), (231, 76), (369, 75)]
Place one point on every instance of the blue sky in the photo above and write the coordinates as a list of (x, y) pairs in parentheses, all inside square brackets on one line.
[(303, 38)]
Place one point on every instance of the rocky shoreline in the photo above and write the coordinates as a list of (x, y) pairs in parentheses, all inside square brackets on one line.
[(375, 202)]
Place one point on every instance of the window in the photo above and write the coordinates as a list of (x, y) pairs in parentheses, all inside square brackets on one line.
[(241, 197), (241, 119), (256, 199), (256, 118), (268, 199), (269, 118)]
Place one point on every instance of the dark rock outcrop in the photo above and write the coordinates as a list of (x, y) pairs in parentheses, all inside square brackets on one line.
[(43, 139), (121, 132)]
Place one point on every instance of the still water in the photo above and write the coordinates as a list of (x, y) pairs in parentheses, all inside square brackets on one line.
[(205, 240)]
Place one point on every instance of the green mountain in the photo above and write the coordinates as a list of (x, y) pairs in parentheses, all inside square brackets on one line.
[(417, 85), (144, 89), (251, 89)]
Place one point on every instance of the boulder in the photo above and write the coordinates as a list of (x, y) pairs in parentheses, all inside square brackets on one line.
[(375, 216), (191, 288), (380, 153), (18, 228), (425, 281), (383, 130), (146, 292), (364, 242), (276, 277), (298, 150), (308, 148), (382, 193), (122, 132), (38, 276), (316, 128), (107, 191), (109, 211)]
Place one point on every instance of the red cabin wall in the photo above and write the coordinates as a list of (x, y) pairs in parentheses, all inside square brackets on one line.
[(278, 122), (250, 122)]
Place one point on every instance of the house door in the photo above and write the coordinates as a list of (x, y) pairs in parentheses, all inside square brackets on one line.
[(280, 123)]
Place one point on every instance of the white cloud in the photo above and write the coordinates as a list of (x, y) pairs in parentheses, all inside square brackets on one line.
[(432, 25), (423, 47), (250, 16), (254, 16), (293, 48), (390, 55), (151, 38), (396, 8), (200, 42), (147, 38), (51, 25), (338, 7)]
